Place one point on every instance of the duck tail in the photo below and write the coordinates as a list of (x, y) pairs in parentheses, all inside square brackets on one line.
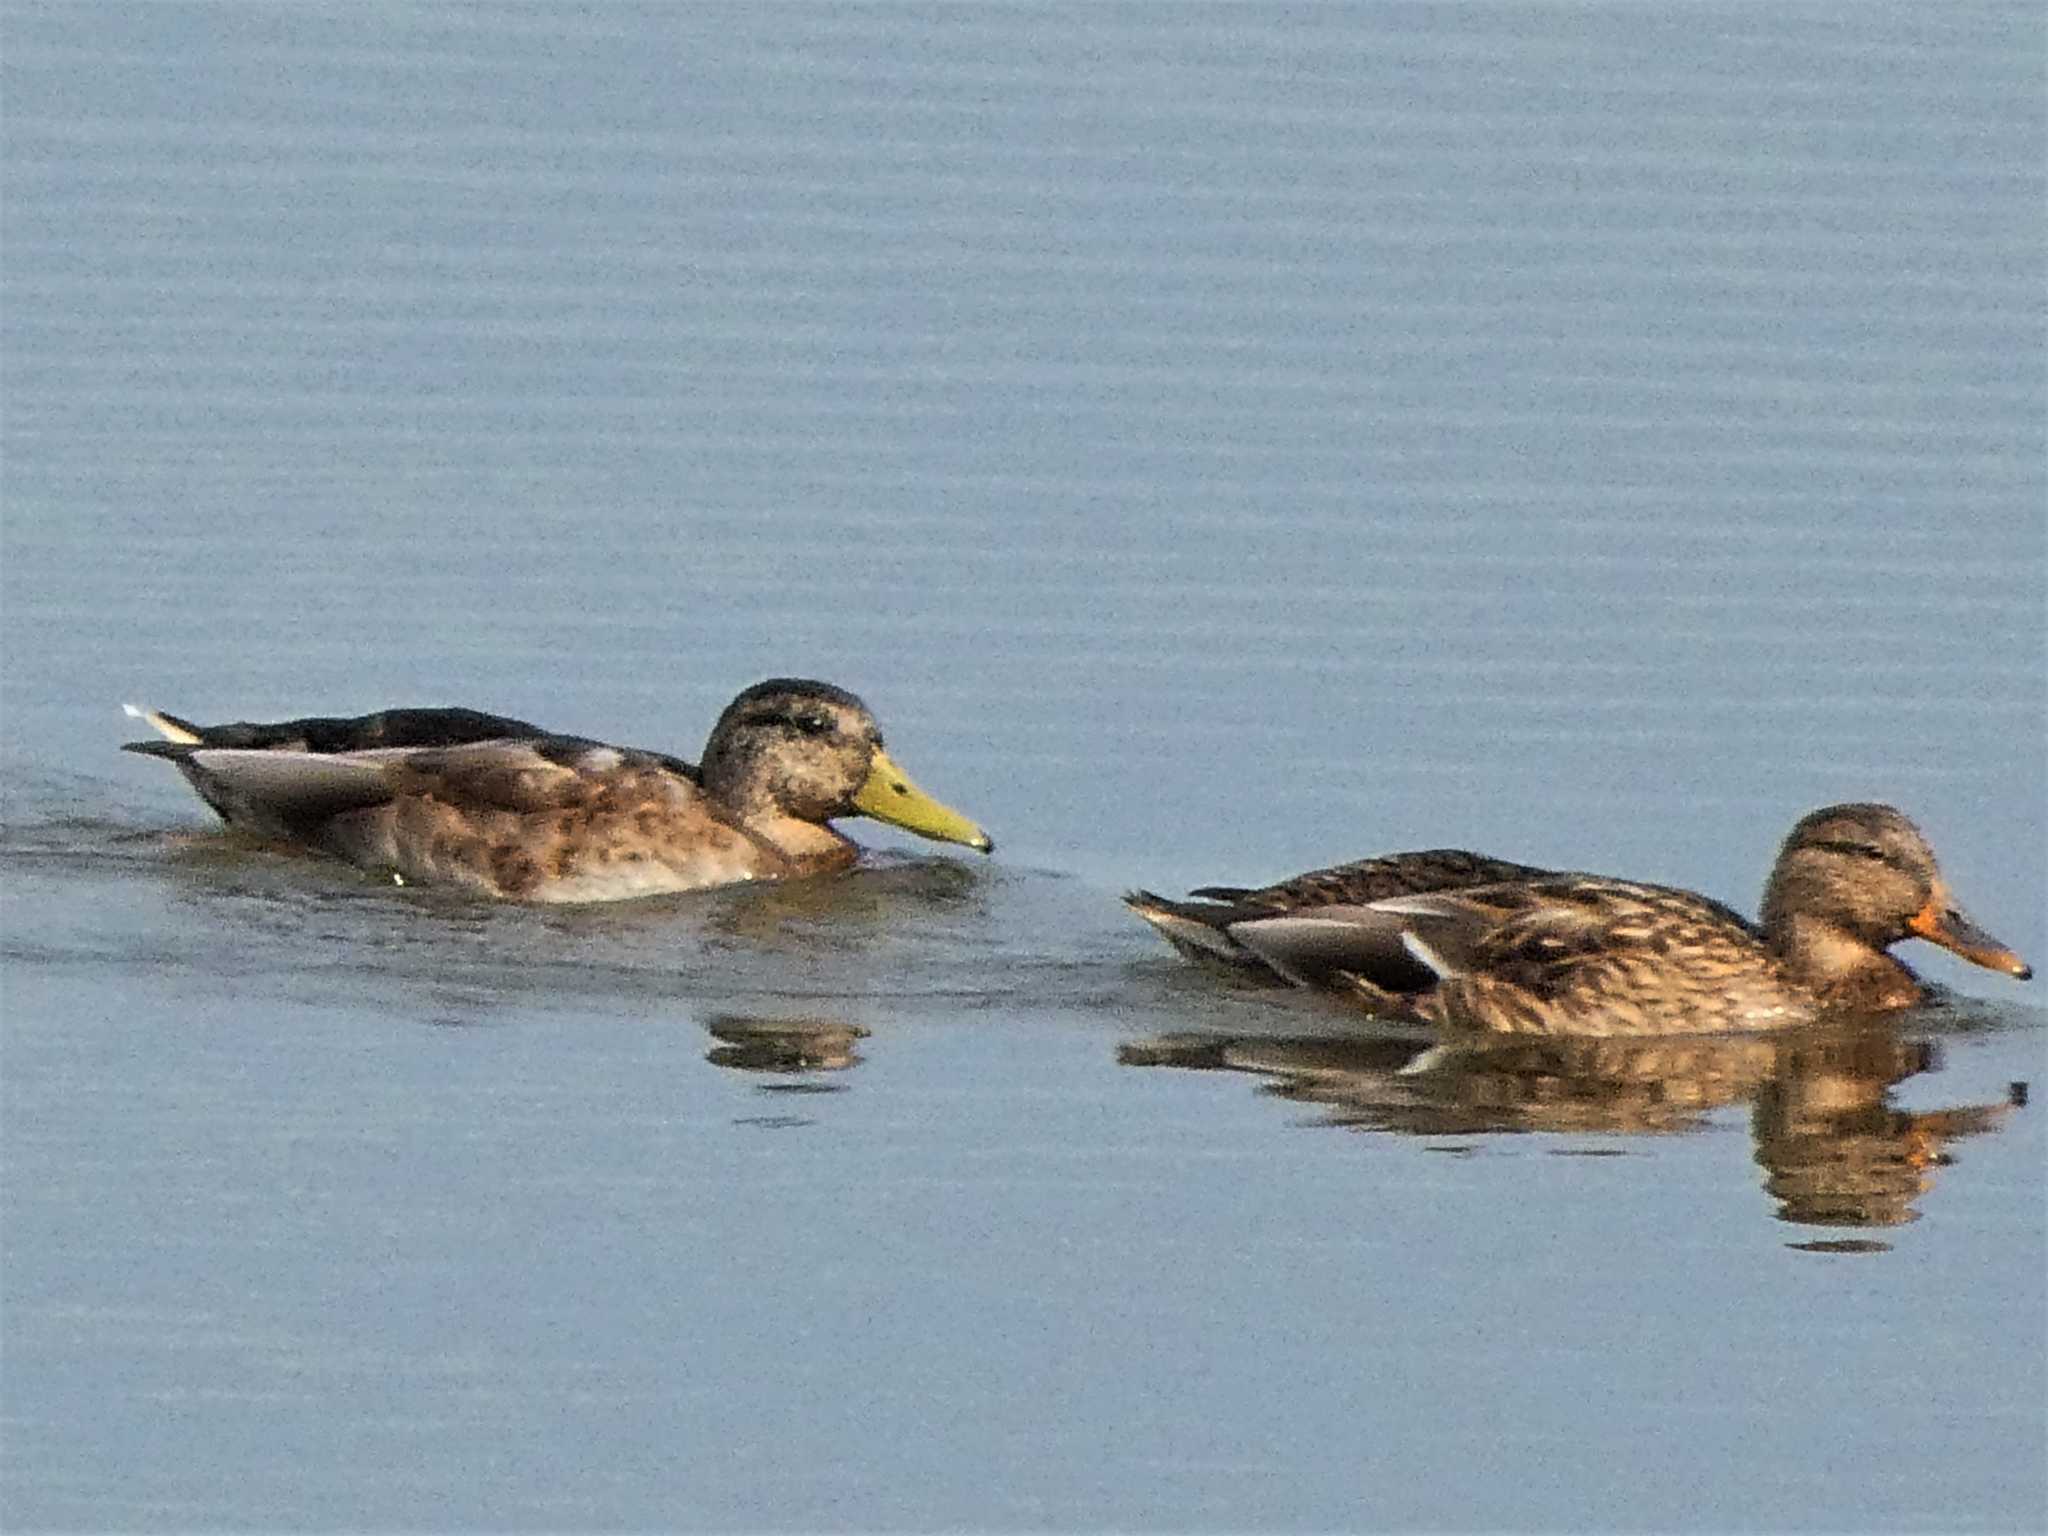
[(170, 727), (1191, 928)]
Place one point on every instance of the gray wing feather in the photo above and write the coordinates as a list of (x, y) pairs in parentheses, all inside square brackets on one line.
[(269, 791), (1308, 946)]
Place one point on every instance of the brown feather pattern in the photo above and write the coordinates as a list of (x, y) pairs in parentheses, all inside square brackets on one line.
[(1432, 937), (451, 796)]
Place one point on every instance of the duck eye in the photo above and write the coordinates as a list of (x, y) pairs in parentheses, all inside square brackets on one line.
[(1855, 849), (812, 725)]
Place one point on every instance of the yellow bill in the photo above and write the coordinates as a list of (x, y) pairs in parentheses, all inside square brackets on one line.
[(888, 795)]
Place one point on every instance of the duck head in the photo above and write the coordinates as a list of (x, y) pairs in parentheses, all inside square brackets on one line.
[(1852, 880), (804, 749)]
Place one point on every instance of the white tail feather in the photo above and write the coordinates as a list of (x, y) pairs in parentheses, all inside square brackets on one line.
[(161, 725)]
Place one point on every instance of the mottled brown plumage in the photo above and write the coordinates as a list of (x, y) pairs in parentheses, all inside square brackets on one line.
[(500, 806), (1590, 955), (1585, 955)]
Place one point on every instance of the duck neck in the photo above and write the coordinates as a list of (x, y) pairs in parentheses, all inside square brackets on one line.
[(1838, 964), (810, 847), (737, 785)]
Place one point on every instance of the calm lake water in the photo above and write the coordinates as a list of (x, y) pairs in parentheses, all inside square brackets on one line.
[(1217, 442)]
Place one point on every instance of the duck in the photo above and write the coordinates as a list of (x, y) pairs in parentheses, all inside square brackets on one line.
[(1583, 954), (504, 808)]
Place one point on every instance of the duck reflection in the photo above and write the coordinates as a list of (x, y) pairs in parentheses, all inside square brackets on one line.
[(885, 897), (1835, 1150), (784, 1046)]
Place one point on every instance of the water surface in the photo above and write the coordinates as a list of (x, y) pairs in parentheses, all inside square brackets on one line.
[(1216, 444)]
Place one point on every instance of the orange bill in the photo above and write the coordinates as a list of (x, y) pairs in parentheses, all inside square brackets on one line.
[(1942, 922)]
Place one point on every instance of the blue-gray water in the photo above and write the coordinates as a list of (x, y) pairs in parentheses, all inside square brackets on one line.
[(1217, 441)]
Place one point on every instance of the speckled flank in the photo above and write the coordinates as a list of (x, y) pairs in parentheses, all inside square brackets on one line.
[(1595, 957), (598, 825)]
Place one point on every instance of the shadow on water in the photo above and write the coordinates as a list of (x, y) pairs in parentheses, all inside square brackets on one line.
[(1836, 1150)]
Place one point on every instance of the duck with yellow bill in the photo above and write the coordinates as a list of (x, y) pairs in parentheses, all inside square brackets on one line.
[(505, 808)]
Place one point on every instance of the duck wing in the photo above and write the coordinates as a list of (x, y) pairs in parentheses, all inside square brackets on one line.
[(275, 793), (440, 727), (547, 773), (1206, 925), (1319, 946), (1539, 936), (289, 792), (1379, 879)]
